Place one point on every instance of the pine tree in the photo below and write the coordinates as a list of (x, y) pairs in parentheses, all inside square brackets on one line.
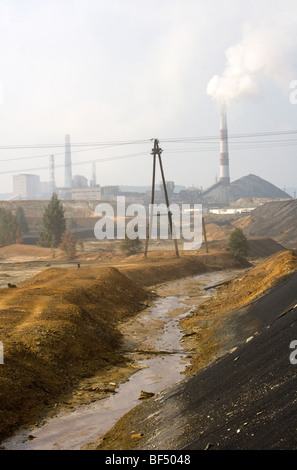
[(8, 227), (21, 220), (54, 223)]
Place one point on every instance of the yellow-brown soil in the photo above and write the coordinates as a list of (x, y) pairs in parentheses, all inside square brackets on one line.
[(202, 326), (18, 252), (208, 319), (59, 327)]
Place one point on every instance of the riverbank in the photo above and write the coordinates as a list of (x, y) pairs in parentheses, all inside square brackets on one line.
[(60, 331), (152, 345), (241, 400)]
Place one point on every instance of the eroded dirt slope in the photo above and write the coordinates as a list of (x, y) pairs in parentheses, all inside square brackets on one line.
[(170, 421), (56, 328), (60, 326), (205, 323)]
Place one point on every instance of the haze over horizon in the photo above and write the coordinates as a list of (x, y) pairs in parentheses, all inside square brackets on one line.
[(119, 73)]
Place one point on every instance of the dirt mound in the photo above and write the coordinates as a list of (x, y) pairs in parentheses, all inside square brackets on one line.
[(245, 400), (250, 186), (218, 232), (276, 219), (212, 314), (58, 327), (164, 266), (18, 252), (203, 325), (263, 247)]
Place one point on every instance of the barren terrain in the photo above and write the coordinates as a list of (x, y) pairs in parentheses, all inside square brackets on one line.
[(60, 327), (240, 391)]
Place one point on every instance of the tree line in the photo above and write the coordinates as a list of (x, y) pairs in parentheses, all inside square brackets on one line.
[(53, 235), (12, 226)]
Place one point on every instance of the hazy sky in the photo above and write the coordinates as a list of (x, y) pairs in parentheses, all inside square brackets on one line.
[(133, 70)]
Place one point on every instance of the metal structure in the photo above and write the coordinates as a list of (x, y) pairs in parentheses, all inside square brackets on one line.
[(156, 152), (93, 178), (68, 166), (224, 151)]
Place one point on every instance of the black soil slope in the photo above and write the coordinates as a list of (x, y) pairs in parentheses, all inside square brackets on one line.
[(275, 219), (245, 400)]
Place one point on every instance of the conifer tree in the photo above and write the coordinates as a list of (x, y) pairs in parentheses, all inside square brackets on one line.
[(8, 227), (54, 223), (21, 220)]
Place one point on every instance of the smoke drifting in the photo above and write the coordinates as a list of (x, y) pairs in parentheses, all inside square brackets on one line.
[(261, 53)]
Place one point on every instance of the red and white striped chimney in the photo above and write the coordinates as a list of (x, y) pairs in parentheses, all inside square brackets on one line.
[(224, 153)]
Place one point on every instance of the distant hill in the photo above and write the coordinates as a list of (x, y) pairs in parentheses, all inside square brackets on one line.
[(275, 219), (250, 186)]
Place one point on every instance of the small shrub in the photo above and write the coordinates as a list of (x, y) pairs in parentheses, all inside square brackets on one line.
[(131, 246), (237, 244)]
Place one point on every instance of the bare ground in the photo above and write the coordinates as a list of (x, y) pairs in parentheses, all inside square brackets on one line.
[(208, 328), (60, 331)]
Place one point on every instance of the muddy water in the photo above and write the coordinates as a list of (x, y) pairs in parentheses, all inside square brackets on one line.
[(154, 330)]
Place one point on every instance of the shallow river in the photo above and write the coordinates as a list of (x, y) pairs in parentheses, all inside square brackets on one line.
[(73, 430)]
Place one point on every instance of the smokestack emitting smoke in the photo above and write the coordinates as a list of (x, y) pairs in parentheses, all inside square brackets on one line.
[(68, 167), (261, 53), (224, 153)]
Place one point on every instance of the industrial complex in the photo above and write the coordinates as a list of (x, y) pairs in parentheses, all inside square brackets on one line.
[(251, 190)]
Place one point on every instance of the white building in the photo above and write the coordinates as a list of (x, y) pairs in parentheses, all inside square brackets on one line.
[(86, 193), (26, 186)]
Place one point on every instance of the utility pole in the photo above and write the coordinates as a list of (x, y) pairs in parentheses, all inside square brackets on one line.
[(204, 234), (156, 151)]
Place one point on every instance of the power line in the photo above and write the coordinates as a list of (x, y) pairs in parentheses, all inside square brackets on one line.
[(230, 136), (105, 144), (77, 144), (75, 163), (189, 140), (63, 153), (234, 145)]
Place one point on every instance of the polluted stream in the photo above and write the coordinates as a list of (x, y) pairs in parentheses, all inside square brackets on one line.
[(153, 342)]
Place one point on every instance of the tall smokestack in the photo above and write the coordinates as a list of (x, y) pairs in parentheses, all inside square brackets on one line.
[(68, 168), (224, 153), (52, 174)]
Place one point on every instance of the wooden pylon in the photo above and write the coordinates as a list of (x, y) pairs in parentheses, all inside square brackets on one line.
[(156, 151)]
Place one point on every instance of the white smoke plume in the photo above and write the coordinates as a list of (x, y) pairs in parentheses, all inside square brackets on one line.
[(261, 53)]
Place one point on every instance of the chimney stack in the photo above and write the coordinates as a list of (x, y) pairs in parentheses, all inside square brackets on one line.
[(52, 174), (224, 153), (68, 167)]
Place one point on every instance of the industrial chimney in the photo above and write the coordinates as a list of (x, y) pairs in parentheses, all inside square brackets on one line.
[(68, 168), (224, 153), (52, 174)]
